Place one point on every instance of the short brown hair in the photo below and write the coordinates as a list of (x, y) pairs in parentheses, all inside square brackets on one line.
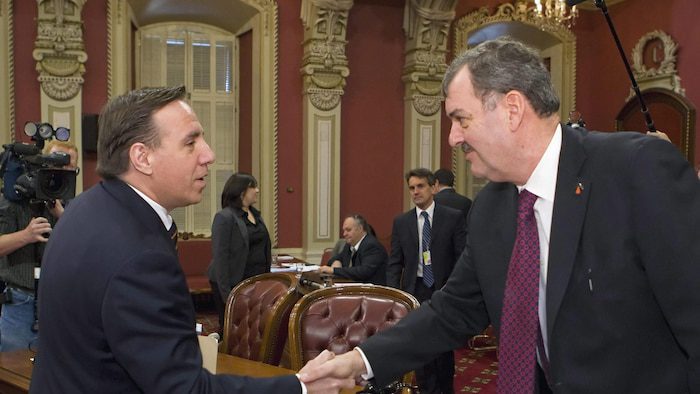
[(65, 145), (126, 120), (422, 173)]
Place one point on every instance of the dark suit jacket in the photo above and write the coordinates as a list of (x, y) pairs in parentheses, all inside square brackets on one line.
[(370, 262), (115, 312), (622, 283), (450, 198), (230, 247), (447, 243)]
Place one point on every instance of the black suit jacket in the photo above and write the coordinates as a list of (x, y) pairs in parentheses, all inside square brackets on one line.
[(622, 283), (115, 312), (369, 265), (447, 242), (450, 198), (230, 246)]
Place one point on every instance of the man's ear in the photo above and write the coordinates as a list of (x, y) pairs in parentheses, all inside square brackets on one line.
[(140, 159), (515, 107)]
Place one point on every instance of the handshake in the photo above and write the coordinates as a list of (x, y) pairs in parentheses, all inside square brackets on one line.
[(328, 373)]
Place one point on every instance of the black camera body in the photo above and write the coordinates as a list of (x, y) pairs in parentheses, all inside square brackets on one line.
[(28, 175)]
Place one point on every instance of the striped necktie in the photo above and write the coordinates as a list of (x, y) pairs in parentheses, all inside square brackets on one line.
[(428, 278), (172, 233)]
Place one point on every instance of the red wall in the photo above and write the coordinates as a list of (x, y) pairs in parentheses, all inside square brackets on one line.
[(602, 83), (245, 102), (27, 97), (290, 137), (371, 169), (95, 86)]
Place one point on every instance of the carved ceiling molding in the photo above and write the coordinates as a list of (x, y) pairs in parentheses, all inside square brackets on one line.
[(659, 68), (325, 65), (59, 48), (426, 26)]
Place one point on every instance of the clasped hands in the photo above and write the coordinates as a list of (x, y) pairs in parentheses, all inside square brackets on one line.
[(328, 373)]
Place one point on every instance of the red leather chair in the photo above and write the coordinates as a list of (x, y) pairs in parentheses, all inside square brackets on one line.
[(257, 316), (339, 318), (327, 254)]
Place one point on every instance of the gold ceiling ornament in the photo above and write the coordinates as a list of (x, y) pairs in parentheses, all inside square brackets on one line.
[(556, 11)]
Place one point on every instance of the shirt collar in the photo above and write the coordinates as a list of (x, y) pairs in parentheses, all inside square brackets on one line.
[(430, 210), (543, 180), (160, 210), (357, 245)]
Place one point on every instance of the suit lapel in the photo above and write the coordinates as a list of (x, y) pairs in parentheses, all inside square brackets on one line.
[(570, 201)]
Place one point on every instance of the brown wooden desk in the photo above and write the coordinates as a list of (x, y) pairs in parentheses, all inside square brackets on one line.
[(16, 370)]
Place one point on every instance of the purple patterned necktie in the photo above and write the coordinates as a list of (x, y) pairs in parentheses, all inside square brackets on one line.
[(519, 319)]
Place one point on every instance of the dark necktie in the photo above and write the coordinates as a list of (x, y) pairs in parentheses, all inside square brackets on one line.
[(172, 233), (519, 319), (428, 278), (353, 253)]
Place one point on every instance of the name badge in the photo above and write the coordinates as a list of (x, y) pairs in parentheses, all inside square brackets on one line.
[(426, 258)]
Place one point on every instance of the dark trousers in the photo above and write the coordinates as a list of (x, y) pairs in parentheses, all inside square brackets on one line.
[(437, 376), (219, 304)]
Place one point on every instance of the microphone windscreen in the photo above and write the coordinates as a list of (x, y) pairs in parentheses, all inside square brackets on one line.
[(572, 3)]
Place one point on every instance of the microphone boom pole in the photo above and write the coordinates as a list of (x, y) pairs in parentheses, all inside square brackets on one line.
[(645, 111)]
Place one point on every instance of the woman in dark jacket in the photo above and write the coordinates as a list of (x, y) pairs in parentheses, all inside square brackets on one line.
[(241, 245)]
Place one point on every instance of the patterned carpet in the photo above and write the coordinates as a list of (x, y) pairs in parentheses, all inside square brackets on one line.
[(475, 371)]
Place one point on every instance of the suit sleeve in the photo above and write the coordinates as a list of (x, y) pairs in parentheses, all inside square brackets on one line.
[(395, 265), (228, 268), (666, 203), (148, 324), (459, 236), (453, 314), (372, 259)]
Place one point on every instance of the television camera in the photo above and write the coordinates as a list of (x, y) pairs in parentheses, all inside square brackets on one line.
[(29, 175)]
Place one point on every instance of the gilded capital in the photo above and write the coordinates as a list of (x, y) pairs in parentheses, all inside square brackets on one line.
[(426, 25), (324, 65), (59, 48)]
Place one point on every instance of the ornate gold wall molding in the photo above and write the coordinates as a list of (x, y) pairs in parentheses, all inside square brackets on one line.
[(324, 64), (324, 70), (654, 63), (7, 74), (59, 48)]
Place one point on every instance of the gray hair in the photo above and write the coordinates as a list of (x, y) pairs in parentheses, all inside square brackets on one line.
[(504, 64)]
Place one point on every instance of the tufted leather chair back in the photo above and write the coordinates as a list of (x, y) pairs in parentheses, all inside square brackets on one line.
[(257, 316), (339, 318)]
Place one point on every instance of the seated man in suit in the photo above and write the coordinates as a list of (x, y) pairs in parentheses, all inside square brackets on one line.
[(363, 259), (446, 194)]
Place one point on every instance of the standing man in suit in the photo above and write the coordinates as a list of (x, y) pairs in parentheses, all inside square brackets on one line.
[(610, 295), (363, 259), (115, 314), (446, 193), (426, 242)]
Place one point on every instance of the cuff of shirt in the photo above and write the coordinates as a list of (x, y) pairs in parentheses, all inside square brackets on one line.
[(303, 386), (370, 374)]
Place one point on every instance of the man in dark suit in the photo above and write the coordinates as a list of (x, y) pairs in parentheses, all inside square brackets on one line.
[(115, 314), (446, 193), (617, 224), (363, 259), (420, 267)]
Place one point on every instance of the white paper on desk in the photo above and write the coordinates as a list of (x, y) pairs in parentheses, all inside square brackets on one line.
[(209, 347)]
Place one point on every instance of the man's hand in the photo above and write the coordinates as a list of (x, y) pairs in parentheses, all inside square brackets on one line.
[(57, 209), (327, 372), (324, 269), (35, 230)]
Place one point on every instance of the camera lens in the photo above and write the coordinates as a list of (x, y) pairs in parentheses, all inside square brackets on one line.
[(53, 184)]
